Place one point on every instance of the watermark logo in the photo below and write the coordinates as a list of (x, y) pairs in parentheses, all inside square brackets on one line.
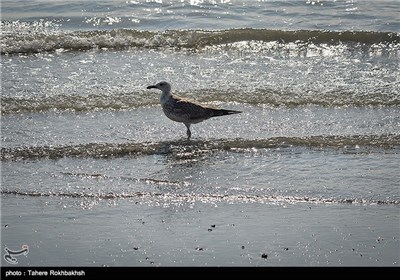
[(9, 255)]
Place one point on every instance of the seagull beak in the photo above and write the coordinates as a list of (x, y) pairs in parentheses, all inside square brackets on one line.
[(149, 87)]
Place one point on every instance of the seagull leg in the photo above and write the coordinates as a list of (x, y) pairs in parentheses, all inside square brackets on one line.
[(189, 134)]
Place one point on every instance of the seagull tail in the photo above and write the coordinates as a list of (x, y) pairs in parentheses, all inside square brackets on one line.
[(223, 112)]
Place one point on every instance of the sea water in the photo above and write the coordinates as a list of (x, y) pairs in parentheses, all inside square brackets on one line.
[(318, 83)]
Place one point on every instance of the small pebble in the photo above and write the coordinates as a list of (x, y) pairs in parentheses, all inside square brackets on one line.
[(264, 256)]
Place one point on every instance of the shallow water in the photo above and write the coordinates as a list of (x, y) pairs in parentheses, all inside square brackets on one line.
[(179, 172)]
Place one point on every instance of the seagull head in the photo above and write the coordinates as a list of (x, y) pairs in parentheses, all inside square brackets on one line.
[(163, 86)]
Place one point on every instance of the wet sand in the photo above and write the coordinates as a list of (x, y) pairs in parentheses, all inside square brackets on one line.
[(136, 232)]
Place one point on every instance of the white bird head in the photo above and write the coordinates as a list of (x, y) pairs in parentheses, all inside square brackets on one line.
[(163, 86)]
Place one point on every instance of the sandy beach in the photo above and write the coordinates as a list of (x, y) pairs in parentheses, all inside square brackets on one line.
[(130, 233)]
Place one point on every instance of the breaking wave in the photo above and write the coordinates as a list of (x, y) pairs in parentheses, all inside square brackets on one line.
[(134, 100), (198, 148), (76, 103), (37, 37), (178, 198)]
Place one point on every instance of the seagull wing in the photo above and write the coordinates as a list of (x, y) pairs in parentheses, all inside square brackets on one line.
[(191, 109)]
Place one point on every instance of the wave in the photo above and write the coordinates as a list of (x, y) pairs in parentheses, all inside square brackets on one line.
[(140, 99), (200, 148), (178, 198), (124, 178), (76, 103), (28, 38)]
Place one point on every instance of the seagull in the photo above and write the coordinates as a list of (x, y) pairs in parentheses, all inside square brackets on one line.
[(186, 111)]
